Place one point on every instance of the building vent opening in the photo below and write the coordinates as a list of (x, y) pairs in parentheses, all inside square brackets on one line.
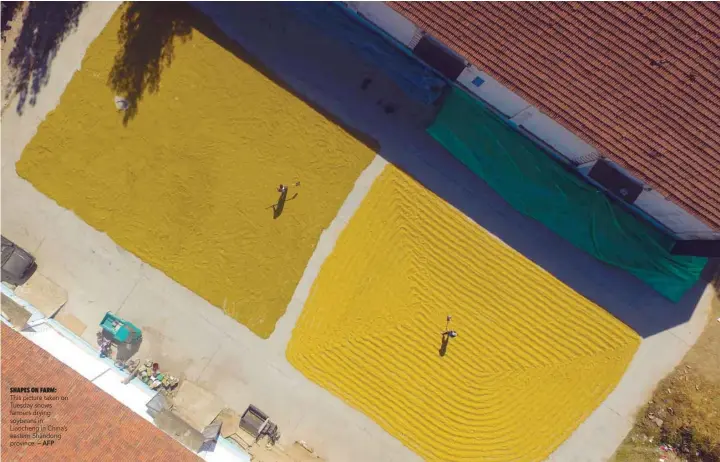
[(439, 57), (615, 181)]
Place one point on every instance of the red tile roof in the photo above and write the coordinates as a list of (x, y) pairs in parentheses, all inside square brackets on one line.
[(639, 81), (99, 428)]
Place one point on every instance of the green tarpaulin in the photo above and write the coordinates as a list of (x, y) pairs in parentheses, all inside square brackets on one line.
[(538, 186)]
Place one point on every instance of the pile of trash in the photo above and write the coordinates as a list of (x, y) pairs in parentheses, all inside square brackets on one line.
[(149, 373), (666, 448)]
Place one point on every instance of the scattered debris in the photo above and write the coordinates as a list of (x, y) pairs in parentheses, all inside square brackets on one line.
[(656, 420), (305, 446), (105, 347), (149, 373)]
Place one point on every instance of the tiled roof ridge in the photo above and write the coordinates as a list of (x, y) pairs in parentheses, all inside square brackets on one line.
[(93, 412), (598, 72)]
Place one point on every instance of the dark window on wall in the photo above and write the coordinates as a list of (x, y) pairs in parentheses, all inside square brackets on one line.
[(615, 181), (439, 57)]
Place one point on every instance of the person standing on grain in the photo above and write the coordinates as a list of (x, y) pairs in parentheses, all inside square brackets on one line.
[(446, 336), (283, 189)]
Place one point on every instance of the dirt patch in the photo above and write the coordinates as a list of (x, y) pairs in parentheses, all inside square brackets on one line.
[(704, 357), (682, 420)]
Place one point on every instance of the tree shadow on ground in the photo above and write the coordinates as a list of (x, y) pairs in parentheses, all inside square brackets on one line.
[(44, 27), (9, 10), (147, 37), (147, 48)]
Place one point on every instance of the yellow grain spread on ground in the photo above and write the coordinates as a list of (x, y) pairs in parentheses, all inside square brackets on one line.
[(532, 358), (187, 185)]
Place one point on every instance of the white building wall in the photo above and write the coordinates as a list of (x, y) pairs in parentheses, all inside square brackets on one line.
[(387, 19), (671, 215), (519, 111), (492, 91), (521, 117), (674, 217), (560, 138)]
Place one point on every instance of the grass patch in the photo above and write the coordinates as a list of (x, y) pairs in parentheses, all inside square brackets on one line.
[(684, 412)]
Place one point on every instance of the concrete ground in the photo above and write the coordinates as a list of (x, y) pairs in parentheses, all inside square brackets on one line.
[(6, 72), (182, 332), (598, 437), (189, 337)]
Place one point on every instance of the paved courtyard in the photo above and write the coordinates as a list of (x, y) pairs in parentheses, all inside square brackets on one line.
[(189, 336)]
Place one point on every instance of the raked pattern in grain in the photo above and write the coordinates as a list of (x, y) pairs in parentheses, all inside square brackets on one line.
[(532, 358)]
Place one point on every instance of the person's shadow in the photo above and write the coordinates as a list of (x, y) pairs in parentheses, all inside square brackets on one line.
[(444, 345), (280, 206)]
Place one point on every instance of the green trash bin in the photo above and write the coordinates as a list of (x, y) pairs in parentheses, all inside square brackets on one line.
[(122, 331)]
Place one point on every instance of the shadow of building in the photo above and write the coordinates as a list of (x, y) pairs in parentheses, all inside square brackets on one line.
[(328, 76)]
